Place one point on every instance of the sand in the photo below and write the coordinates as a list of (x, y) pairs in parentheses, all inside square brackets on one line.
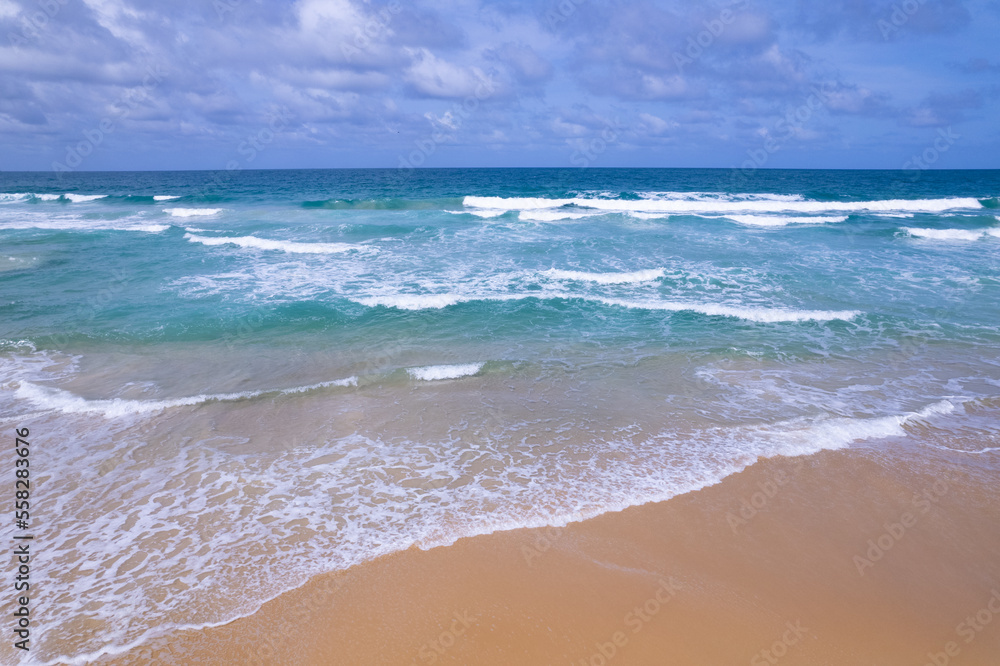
[(871, 555)]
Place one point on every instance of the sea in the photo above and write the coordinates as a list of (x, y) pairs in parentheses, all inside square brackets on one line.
[(236, 381)]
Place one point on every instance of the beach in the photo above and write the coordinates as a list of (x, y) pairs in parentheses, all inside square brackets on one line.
[(855, 556)]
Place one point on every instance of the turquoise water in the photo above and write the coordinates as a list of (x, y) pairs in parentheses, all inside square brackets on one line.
[(301, 370)]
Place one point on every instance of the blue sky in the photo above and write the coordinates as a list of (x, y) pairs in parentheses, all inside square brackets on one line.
[(208, 84)]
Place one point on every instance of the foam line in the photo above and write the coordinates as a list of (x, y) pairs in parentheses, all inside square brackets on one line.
[(724, 206), (435, 372), (749, 313), (282, 246), (948, 234), (192, 212), (606, 278), (50, 398)]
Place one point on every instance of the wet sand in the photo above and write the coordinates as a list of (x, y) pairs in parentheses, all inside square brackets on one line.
[(885, 555)]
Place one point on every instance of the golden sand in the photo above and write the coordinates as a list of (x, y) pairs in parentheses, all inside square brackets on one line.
[(844, 557)]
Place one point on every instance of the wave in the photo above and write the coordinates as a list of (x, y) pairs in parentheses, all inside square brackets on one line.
[(82, 198), (164, 197), (444, 203), (73, 223), (192, 212), (749, 313), (417, 505), (435, 372), (50, 398), (780, 221), (551, 216), (950, 234), (744, 205), (839, 432), (606, 278), (485, 213), (31, 196), (717, 196), (151, 228), (431, 301), (282, 246)]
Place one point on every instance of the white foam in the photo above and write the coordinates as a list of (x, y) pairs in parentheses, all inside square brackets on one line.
[(328, 506), (725, 205), (780, 221), (49, 398), (551, 216), (69, 221), (83, 198), (432, 301), (718, 196), (750, 313), (164, 197), (192, 212), (435, 372), (945, 234), (606, 278), (149, 228), (282, 246), (69, 196), (479, 213)]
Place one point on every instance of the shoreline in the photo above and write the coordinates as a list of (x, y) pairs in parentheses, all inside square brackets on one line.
[(839, 557)]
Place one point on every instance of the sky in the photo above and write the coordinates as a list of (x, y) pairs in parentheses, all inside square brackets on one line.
[(90, 85)]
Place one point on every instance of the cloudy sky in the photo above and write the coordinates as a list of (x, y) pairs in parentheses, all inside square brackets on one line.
[(202, 84)]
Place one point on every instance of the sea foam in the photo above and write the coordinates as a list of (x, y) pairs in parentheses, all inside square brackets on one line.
[(50, 398), (192, 212), (780, 221), (723, 206), (947, 234), (282, 246), (606, 278), (749, 313), (434, 372)]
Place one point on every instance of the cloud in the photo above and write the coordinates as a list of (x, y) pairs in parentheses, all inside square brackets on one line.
[(362, 80), (431, 76)]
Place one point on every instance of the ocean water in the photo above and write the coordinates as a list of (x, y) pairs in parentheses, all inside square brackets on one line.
[(236, 381)]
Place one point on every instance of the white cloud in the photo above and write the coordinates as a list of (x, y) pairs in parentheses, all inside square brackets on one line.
[(433, 77)]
